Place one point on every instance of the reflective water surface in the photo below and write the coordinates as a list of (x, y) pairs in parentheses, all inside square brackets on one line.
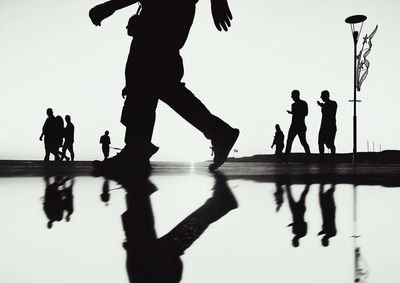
[(196, 227)]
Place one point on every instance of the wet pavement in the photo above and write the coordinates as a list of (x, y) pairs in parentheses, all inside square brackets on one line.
[(185, 224)]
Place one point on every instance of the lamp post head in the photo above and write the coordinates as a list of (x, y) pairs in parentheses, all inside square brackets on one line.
[(354, 20)]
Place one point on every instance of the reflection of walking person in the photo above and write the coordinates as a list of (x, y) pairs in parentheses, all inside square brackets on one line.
[(298, 209), (328, 210), (153, 259), (154, 71), (327, 131), (105, 144), (278, 140), (298, 127), (49, 132)]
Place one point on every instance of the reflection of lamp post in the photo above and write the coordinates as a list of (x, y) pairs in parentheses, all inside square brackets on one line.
[(353, 21), (360, 266)]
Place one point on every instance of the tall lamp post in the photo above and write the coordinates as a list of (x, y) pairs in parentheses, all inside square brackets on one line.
[(354, 21)]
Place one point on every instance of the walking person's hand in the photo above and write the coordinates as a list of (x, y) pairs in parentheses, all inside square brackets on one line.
[(98, 13), (290, 112), (221, 14)]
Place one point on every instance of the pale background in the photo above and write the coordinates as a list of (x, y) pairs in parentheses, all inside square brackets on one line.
[(52, 56)]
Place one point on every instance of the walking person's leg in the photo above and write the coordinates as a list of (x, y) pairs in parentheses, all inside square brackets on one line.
[(189, 107), (291, 135), (303, 141)]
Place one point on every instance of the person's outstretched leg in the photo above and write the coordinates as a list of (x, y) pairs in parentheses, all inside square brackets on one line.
[(222, 136)]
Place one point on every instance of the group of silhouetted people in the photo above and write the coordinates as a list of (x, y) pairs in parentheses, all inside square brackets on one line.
[(57, 138), (298, 127)]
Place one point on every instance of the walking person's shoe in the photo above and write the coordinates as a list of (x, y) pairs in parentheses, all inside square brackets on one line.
[(125, 161), (221, 147)]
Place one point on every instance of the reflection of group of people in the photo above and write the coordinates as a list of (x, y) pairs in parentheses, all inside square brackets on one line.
[(57, 138), (298, 209), (298, 126), (58, 198)]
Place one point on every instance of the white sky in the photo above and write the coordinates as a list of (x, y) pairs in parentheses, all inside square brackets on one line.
[(52, 56)]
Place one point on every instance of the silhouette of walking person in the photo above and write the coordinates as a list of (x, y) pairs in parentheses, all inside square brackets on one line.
[(328, 129), (105, 144), (154, 259), (69, 138), (49, 132), (328, 210), (298, 209), (153, 72), (298, 127), (60, 137), (278, 141)]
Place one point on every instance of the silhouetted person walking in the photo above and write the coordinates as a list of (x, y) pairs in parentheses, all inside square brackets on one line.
[(154, 71), (298, 209), (60, 137), (298, 127), (49, 132), (278, 141), (328, 210), (327, 131), (105, 144), (69, 138)]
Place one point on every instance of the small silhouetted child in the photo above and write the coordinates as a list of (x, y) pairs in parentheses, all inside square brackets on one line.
[(278, 140)]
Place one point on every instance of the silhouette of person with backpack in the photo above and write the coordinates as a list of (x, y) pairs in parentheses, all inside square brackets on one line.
[(154, 71)]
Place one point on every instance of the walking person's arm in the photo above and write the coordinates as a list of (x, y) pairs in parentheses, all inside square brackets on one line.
[(274, 142), (102, 11), (221, 14)]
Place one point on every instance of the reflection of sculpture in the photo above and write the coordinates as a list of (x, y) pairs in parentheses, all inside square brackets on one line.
[(58, 198), (151, 259)]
